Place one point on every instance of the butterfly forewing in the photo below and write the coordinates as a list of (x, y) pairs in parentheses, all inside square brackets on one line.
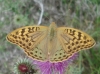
[(74, 40), (27, 37)]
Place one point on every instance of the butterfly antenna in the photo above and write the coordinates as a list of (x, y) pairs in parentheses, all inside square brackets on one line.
[(42, 10)]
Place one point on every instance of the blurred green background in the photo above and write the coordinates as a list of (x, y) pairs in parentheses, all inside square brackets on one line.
[(80, 14)]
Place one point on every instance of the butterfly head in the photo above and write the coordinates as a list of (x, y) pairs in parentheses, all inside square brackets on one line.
[(52, 30)]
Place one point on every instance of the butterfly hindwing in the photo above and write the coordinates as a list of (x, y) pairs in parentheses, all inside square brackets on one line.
[(59, 54), (40, 51)]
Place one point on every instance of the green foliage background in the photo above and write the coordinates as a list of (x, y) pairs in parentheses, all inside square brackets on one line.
[(80, 14)]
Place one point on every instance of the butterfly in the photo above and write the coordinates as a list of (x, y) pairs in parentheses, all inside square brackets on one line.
[(54, 44)]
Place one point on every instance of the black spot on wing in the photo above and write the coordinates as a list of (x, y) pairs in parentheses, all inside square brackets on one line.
[(27, 40), (79, 35), (85, 42), (29, 44), (77, 42), (23, 38), (68, 47), (37, 28), (72, 32), (72, 44), (22, 32), (29, 29), (17, 33), (33, 28)]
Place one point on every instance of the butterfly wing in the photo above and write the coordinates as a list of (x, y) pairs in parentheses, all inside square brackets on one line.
[(74, 40), (28, 37), (39, 52), (69, 42), (59, 53)]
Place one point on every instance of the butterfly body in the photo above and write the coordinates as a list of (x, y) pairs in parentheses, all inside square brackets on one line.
[(54, 44)]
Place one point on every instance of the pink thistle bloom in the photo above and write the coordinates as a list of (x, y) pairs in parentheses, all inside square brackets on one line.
[(54, 68)]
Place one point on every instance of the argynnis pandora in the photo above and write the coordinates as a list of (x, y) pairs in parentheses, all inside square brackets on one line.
[(54, 44)]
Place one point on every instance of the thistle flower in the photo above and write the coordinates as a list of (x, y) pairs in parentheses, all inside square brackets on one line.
[(54, 68), (23, 66)]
